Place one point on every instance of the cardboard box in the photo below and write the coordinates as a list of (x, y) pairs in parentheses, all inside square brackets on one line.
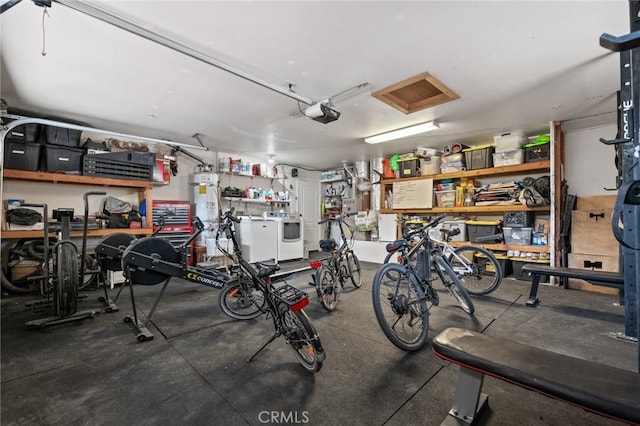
[(366, 221), (596, 262), (23, 269)]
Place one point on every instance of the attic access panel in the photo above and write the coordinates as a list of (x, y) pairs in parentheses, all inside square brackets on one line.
[(416, 93)]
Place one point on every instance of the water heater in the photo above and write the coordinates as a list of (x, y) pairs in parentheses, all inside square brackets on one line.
[(205, 198)]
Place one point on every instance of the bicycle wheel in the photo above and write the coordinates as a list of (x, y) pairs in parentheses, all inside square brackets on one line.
[(67, 280), (400, 307), (328, 291), (453, 285), (354, 269), (240, 300), (476, 279), (303, 339)]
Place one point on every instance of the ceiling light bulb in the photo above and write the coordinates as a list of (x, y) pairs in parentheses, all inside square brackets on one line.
[(271, 159), (404, 132)]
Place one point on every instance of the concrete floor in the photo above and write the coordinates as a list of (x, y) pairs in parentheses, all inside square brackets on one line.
[(194, 372)]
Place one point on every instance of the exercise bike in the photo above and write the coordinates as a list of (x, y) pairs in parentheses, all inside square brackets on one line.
[(64, 272)]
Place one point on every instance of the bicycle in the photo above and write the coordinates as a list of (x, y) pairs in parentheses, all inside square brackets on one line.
[(261, 291), (477, 268), (401, 291), (479, 277), (341, 265)]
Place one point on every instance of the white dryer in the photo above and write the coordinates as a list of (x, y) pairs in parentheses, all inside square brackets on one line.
[(290, 235)]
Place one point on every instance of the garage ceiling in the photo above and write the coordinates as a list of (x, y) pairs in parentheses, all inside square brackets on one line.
[(514, 65)]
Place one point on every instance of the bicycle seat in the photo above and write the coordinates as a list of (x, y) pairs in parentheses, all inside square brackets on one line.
[(396, 245), (265, 270)]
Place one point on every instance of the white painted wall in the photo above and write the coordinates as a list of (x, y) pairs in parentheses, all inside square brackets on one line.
[(589, 164)]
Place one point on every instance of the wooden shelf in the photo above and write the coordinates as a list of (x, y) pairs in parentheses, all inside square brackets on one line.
[(502, 247), (259, 200), (470, 209), (143, 187), (73, 179), (538, 166), (6, 235)]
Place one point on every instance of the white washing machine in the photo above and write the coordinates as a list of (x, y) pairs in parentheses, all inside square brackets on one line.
[(258, 239), (290, 235)]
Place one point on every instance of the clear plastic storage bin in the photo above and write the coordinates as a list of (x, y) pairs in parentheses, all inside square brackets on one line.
[(508, 158), (517, 236)]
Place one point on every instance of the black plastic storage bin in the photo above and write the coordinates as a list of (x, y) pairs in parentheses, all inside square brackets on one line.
[(21, 155), (120, 165), (518, 219), (61, 136), (483, 228), (63, 159), (479, 157), (25, 133), (484, 267), (537, 152)]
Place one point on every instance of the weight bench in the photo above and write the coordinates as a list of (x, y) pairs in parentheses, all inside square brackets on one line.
[(601, 278), (601, 389)]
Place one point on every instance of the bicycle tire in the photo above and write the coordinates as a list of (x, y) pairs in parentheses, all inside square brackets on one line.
[(354, 269), (453, 285), (328, 291), (400, 307), (240, 300), (387, 258), (302, 337), (475, 281), (67, 280)]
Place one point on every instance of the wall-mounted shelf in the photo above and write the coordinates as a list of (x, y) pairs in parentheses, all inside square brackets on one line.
[(143, 187), (470, 209), (502, 247), (6, 235), (538, 166), (258, 200)]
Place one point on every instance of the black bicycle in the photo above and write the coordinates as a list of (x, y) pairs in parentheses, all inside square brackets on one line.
[(340, 266), (477, 268), (401, 291), (259, 290)]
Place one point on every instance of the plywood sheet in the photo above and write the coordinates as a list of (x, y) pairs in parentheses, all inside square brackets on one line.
[(591, 233), (609, 264), (596, 202)]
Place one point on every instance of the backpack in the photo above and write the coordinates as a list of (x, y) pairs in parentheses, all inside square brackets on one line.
[(23, 216)]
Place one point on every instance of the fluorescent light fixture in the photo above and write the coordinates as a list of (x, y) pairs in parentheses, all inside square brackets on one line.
[(403, 133)]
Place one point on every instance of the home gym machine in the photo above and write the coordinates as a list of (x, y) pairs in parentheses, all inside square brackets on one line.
[(66, 270), (152, 260), (626, 215)]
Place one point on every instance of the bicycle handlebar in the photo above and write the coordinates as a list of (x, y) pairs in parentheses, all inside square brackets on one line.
[(430, 224), (86, 195), (231, 217)]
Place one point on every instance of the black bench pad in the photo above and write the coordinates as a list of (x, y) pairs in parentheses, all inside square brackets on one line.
[(583, 274), (603, 389)]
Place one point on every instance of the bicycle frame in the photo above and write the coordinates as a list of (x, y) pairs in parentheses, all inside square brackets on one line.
[(449, 254)]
